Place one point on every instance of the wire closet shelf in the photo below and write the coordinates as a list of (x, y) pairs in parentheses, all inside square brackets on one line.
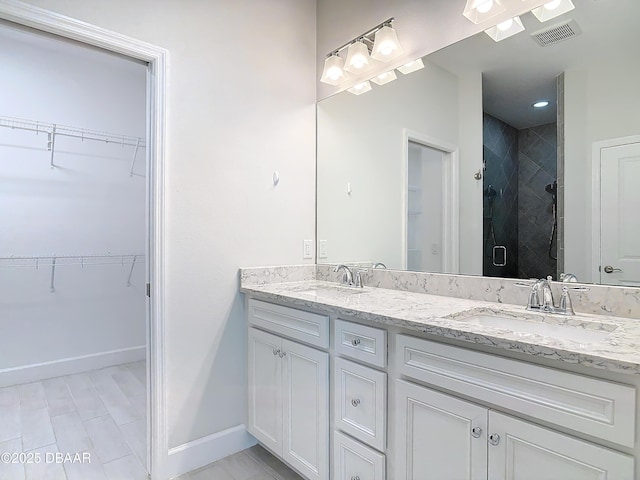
[(53, 130), (54, 261)]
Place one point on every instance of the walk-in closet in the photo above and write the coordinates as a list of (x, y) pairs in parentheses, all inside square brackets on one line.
[(73, 387)]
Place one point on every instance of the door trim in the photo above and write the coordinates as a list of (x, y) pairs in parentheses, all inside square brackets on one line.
[(596, 163), (156, 57), (450, 200)]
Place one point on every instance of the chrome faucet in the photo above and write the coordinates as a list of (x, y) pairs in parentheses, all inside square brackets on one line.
[(541, 297), (347, 276)]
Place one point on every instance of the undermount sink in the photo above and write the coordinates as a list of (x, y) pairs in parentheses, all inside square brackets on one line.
[(328, 290), (581, 332)]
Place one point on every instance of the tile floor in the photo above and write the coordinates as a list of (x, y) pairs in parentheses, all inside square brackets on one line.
[(255, 463), (101, 412)]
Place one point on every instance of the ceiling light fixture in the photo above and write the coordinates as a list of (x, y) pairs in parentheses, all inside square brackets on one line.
[(360, 88), (479, 11), (540, 104), (505, 29), (380, 43), (552, 9), (411, 67), (384, 78)]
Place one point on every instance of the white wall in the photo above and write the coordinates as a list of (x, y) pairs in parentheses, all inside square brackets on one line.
[(600, 104), (423, 27), (240, 104), (360, 140), (88, 204)]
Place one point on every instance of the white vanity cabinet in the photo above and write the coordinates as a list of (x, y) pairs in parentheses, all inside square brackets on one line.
[(288, 397), (441, 436)]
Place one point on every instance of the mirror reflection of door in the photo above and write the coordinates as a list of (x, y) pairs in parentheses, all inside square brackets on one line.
[(620, 224), (425, 208)]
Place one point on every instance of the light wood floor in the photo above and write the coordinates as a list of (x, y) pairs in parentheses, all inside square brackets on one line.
[(103, 413)]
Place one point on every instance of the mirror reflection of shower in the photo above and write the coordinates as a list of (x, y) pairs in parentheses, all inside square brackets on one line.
[(520, 201)]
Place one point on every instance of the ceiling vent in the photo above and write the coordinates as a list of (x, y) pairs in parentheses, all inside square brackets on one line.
[(557, 33)]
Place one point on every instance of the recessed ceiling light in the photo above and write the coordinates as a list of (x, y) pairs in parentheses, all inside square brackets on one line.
[(540, 104)]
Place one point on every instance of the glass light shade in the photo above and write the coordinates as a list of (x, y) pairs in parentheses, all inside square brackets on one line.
[(553, 9), (385, 77), (410, 67), (333, 72), (505, 29), (360, 88), (386, 45), (358, 59), (479, 11)]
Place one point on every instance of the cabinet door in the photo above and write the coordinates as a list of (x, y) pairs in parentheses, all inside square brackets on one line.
[(264, 389), (439, 436), (523, 451), (353, 460), (306, 409)]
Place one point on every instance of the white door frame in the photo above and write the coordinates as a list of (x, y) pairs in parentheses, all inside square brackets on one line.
[(451, 212), (44, 20), (596, 164)]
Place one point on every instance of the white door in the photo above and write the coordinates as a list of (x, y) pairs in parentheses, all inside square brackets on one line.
[(306, 409), (439, 436), (265, 388), (519, 450), (620, 215)]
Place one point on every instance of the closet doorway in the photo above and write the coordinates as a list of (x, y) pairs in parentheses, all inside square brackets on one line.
[(80, 146)]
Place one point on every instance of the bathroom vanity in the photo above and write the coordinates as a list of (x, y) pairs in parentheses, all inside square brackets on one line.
[(366, 383)]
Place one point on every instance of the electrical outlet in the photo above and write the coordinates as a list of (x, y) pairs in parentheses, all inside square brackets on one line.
[(322, 249), (307, 249)]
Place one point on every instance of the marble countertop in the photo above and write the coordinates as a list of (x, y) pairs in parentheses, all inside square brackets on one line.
[(617, 351)]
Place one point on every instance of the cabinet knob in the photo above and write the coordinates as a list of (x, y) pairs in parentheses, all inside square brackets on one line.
[(494, 439), (355, 342), (476, 432), (275, 351), (355, 402), (281, 354), (355, 477)]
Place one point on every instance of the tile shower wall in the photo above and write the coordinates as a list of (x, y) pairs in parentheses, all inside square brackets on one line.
[(537, 167), (500, 153)]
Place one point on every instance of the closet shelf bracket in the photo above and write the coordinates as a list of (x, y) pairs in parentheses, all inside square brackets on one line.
[(51, 144), (52, 289), (135, 154)]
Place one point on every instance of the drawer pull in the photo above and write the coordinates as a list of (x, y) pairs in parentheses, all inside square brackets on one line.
[(476, 432), (355, 402), (355, 342), (494, 439)]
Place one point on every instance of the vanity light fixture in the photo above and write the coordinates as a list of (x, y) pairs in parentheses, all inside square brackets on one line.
[(386, 45), (358, 59), (380, 43), (411, 67), (333, 72), (505, 29), (540, 104), (552, 9), (360, 88), (385, 77), (480, 10)]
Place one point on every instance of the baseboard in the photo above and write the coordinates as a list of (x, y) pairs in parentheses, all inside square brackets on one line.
[(69, 366), (205, 450)]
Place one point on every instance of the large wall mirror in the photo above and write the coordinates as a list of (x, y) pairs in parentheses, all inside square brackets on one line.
[(559, 185)]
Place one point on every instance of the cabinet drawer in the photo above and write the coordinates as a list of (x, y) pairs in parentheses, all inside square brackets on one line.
[(352, 460), (311, 328), (367, 344), (360, 402), (589, 405)]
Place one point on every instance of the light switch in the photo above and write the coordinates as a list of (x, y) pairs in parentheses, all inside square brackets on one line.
[(307, 249), (322, 249)]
